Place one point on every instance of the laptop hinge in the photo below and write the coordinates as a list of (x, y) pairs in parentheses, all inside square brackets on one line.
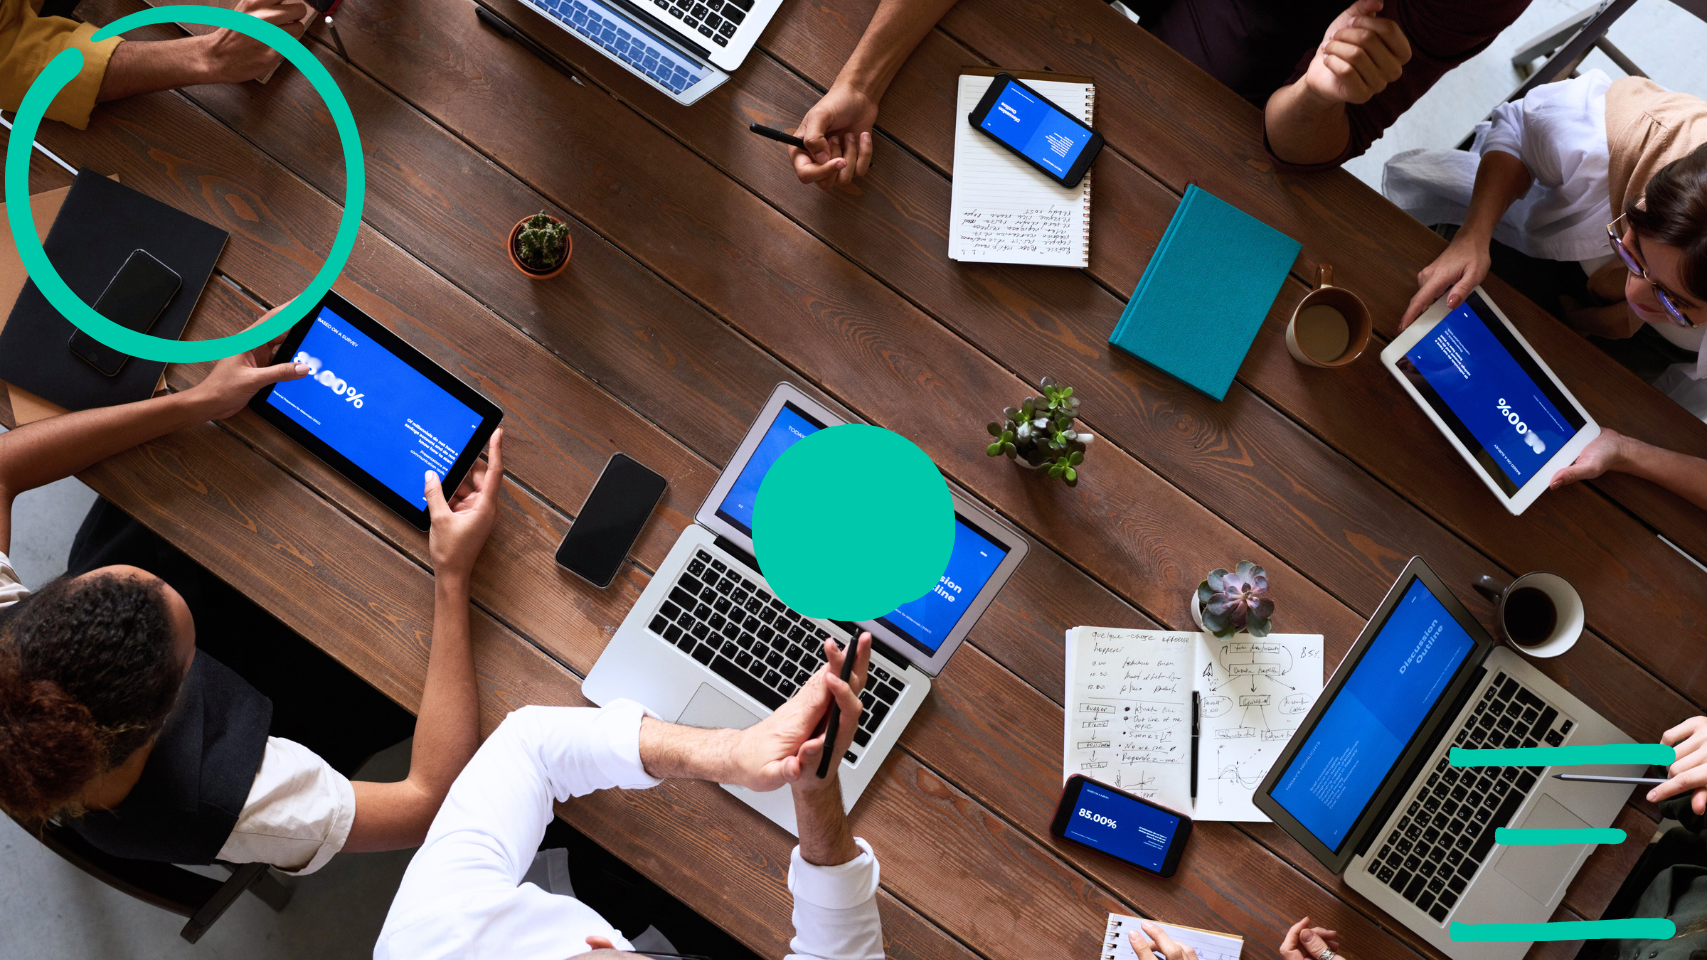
[(1418, 767), (727, 546)]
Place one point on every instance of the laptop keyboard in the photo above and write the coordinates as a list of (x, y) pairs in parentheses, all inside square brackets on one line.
[(714, 20), (738, 628), (601, 28), (1432, 853)]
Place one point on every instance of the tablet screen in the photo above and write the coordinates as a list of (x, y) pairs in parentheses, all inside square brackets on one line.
[(370, 406), (1491, 393)]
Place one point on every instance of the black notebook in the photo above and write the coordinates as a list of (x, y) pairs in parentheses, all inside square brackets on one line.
[(94, 234)]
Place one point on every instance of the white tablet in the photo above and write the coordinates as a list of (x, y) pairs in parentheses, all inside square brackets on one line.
[(1497, 403)]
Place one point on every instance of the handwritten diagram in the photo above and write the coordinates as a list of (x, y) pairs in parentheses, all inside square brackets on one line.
[(1253, 693)]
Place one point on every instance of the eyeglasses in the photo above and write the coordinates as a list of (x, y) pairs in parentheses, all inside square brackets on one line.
[(1667, 298)]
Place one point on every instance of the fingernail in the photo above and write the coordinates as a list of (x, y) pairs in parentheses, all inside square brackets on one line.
[(1653, 796)]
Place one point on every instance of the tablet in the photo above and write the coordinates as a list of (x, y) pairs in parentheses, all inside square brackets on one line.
[(376, 409), (1499, 406)]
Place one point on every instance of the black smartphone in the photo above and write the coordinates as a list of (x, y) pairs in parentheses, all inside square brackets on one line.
[(134, 299), (1036, 130), (1131, 829), (610, 520)]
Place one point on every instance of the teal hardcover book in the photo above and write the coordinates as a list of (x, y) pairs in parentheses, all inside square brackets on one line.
[(1205, 292)]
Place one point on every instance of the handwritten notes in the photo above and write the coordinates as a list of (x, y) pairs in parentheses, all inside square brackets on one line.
[(1129, 707), (1208, 944), (1003, 211)]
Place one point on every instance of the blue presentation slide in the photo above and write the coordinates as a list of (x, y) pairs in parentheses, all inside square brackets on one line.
[(1336, 772), (1134, 832), (375, 409), (1484, 385), (1036, 128)]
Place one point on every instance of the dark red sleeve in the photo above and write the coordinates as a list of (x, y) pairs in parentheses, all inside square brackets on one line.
[(1443, 34)]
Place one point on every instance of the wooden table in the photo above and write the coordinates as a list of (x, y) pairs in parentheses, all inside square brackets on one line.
[(703, 274)]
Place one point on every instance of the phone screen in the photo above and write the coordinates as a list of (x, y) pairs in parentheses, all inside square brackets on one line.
[(1040, 131), (610, 520), (134, 299), (1119, 825)]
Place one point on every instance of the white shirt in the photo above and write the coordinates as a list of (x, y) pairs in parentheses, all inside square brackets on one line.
[(463, 894), (299, 810)]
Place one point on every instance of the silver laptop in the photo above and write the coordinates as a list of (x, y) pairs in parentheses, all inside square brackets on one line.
[(684, 48), (708, 644), (1365, 783)]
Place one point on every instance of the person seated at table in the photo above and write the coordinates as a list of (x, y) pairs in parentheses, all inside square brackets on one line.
[(465, 893), (113, 721), (115, 68)]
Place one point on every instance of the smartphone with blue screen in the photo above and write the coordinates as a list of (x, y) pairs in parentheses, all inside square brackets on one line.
[(1130, 829), (1036, 130)]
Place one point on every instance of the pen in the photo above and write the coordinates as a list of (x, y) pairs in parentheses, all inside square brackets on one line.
[(527, 43), (777, 135), (1594, 778), (1196, 713), (849, 652)]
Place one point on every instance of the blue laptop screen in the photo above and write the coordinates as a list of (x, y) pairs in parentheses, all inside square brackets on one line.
[(1344, 760), (925, 622)]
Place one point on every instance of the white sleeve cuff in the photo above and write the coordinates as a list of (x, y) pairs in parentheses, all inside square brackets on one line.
[(839, 887), (616, 750)]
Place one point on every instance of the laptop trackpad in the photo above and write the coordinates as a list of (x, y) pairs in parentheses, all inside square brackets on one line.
[(712, 709), (1539, 871)]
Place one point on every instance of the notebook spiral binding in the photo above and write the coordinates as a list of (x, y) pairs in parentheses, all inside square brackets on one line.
[(1085, 241), (1111, 937)]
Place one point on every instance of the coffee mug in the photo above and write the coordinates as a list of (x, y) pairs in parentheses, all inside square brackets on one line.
[(1330, 326), (1539, 613)]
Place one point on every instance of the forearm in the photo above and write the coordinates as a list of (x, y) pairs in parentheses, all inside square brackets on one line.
[(825, 839), (895, 30), (1680, 473), (146, 66), (447, 729), (1303, 127), (39, 453), (670, 751), (1501, 180)]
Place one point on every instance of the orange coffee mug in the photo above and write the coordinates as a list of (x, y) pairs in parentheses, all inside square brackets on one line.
[(1330, 326)]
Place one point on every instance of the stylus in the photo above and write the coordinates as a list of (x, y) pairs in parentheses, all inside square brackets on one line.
[(1196, 724), (527, 43), (777, 135), (1591, 778), (849, 652)]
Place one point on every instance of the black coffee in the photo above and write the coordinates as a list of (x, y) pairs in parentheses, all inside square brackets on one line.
[(1529, 616)]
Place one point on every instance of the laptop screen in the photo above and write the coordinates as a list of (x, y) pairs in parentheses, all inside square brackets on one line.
[(926, 622), (1344, 759)]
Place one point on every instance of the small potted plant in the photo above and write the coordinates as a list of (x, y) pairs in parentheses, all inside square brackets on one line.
[(1040, 431), (1229, 603), (540, 246)]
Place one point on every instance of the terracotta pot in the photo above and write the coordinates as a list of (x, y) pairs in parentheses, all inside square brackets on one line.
[(527, 271)]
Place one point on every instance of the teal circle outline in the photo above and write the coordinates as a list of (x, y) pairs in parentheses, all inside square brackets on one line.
[(65, 67)]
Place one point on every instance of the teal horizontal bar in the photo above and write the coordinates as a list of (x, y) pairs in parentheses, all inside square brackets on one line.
[(1634, 928), (1642, 754), (1551, 838)]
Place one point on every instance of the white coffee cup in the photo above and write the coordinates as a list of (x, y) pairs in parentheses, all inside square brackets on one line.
[(1516, 623)]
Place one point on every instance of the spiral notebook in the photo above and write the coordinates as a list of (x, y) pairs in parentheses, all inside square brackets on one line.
[(1208, 944), (1003, 210)]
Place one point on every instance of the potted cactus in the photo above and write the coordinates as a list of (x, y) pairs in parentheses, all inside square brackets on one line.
[(1040, 431), (1237, 602), (540, 246)]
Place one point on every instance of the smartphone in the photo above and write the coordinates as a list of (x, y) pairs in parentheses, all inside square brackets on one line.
[(1036, 130), (134, 299), (610, 520), (1131, 829)]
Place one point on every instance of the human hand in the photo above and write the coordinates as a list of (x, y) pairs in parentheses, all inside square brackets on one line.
[(1463, 264), (1689, 771), (837, 131), (785, 746), (1306, 942), (461, 525), (1360, 55), (231, 57), (226, 389), (1154, 940), (1605, 452)]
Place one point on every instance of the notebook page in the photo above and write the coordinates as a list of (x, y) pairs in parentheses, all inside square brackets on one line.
[(1004, 211), (1254, 692), (1129, 711), (1209, 945)]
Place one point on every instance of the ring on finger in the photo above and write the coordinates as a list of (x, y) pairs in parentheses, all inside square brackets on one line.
[(1326, 954)]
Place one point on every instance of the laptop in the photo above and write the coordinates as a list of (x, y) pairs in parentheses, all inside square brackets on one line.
[(708, 644), (1366, 786), (683, 48)]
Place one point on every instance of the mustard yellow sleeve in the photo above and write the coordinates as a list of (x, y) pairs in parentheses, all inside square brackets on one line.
[(28, 42)]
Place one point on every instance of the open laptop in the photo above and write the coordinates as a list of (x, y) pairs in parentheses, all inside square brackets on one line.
[(1366, 786), (684, 48), (709, 645)]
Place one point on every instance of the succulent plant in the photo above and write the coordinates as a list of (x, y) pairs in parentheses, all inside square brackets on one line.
[(1237, 601), (540, 243), (1040, 431)]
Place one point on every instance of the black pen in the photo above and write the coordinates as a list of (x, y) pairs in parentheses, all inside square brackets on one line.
[(849, 653), (1196, 713), (777, 135), (527, 43), (1595, 778)]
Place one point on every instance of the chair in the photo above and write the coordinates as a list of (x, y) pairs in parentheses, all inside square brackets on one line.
[(1566, 44), (183, 892)]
